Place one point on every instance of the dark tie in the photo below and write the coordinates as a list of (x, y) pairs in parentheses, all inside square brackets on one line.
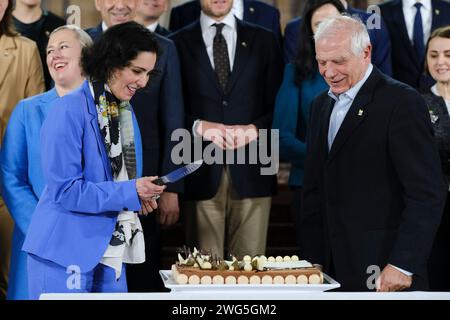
[(418, 33), (220, 55)]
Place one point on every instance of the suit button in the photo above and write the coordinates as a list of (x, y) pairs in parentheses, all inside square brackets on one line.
[(125, 209), (224, 103)]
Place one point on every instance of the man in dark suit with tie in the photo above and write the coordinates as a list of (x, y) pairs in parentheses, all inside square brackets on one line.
[(253, 11), (410, 23), (373, 190), (159, 111), (231, 71), (379, 37)]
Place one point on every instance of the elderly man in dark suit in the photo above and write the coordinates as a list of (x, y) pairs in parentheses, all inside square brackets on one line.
[(159, 110), (379, 37), (231, 71), (374, 191), (253, 11), (410, 23)]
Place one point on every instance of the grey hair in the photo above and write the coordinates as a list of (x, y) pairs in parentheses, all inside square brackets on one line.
[(82, 36), (359, 38)]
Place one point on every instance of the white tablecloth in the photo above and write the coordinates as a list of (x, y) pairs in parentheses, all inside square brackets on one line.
[(233, 295)]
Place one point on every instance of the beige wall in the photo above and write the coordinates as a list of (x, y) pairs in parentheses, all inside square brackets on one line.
[(90, 17)]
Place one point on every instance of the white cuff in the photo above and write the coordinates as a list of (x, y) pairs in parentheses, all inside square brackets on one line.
[(194, 128), (409, 274)]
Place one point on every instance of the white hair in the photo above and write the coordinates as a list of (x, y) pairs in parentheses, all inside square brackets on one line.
[(331, 27)]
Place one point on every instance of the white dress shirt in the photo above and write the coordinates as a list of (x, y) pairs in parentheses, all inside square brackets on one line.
[(228, 32), (238, 9), (208, 34), (342, 104), (152, 27), (409, 12), (104, 26)]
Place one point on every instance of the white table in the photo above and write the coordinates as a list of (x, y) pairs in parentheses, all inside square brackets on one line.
[(256, 296)]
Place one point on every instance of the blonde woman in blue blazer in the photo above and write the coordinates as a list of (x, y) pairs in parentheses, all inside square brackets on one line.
[(21, 174), (85, 226)]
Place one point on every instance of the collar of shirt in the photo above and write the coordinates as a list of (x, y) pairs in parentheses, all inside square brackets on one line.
[(229, 32), (409, 4), (238, 9), (353, 91), (104, 26), (435, 91), (152, 27), (206, 23), (409, 13)]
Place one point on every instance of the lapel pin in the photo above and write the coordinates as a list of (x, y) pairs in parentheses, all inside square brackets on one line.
[(47, 33), (360, 112), (244, 44), (437, 12), (252, 9)]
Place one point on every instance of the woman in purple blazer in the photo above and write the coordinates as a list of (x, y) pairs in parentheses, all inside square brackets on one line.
[(85, 226)]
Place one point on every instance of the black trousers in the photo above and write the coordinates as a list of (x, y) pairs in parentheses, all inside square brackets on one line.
[(439, 262)]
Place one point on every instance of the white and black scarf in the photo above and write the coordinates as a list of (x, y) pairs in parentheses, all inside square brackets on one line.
[(115, 120)]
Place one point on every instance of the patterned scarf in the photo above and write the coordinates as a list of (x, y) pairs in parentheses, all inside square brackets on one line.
[(116, 125), (115, 120)]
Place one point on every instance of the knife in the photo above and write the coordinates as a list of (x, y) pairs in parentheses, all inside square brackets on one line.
[(177, 174)]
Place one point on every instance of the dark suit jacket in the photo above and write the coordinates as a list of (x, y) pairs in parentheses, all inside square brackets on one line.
[(159, 110), (46, 24), (377, 196), (381, 44), (406, 65), (256, 12), (162, 31), (249, 99)]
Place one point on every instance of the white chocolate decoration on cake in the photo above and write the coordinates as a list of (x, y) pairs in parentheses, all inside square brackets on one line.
[(206, 269)]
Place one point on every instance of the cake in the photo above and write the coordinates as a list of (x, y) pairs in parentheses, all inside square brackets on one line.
[(199, 268)]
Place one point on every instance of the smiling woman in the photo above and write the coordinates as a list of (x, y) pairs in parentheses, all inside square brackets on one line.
[(21, 176), (86, 218), (437, 64)]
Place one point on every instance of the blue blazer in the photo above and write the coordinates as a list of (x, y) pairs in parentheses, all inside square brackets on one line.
[(77, 211), (381, 44), (21, 179), (256, 12), (291, 100), (406, 65)]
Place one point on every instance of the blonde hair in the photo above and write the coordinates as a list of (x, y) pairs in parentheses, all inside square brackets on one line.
[(82, 36)]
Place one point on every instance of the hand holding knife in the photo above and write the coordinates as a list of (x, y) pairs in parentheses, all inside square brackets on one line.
[(177, 174)]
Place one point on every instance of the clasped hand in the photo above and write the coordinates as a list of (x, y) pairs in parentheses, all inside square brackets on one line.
[(148, 192), (226, 136), (392, 279)]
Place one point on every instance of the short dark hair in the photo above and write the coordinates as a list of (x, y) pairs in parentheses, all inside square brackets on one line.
[(305, 61), (116, 48), (442, 32), (6, 24)]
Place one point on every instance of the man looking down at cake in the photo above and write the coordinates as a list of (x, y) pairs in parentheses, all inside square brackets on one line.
[(373, 191)]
